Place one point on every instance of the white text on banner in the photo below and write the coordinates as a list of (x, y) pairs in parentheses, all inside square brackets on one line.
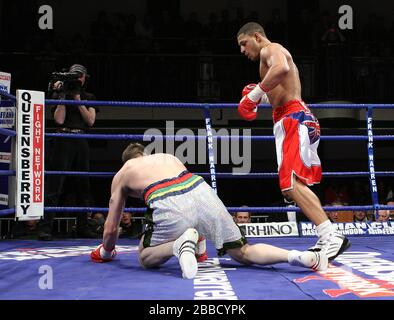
[(270, 229)]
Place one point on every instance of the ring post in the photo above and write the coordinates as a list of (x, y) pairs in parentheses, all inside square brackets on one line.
[(371, 162)]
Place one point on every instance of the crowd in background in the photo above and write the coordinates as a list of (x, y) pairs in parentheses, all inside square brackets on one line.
[(169, 32)]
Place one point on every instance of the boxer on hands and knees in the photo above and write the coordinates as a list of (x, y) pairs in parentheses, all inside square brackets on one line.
[(296, 130), (182, 207)]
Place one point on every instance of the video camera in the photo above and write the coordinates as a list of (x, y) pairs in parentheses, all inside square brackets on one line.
[(69, 83)]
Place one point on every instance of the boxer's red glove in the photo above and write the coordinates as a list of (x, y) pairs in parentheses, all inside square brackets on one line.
[(247, 109), (252, 95), (102, 255), (201, 249)]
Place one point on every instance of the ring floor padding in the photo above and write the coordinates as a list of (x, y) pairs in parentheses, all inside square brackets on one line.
[(62, 270)]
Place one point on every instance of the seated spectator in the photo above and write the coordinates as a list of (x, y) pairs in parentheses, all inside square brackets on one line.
[(94, 226), (96, 223), (24, 229), (129, 228), (334, 215), (383, 215), (242, 216), (360, 216)]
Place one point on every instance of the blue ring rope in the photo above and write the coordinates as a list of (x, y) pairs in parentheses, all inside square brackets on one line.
[(145, 104), (225, 175), (4, 212), (7, 132), (7, 95), (101, 136), (198, 105)]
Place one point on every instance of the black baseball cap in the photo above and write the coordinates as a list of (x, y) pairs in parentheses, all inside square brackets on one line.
[(79, 68)]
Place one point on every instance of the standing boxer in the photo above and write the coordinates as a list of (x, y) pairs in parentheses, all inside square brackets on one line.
[(296, 130)]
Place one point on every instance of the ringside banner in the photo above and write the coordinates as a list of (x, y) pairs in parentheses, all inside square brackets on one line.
[(308, 229), (30, 155), (7, 120), (271, 229), (7, 114), (5, 81)]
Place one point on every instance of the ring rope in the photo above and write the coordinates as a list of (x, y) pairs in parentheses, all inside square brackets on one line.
[(4, 212), (255, 138), (198, 105), (254, 175)]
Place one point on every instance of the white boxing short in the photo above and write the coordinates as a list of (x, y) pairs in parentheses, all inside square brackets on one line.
[(187, 201), (297, 136)]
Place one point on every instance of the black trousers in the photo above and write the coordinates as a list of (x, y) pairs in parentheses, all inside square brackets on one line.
[(67, 155)]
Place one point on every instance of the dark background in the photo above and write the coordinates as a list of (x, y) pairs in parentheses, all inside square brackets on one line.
[(186, 51)]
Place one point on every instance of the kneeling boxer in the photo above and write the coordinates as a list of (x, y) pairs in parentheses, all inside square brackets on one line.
[(181, 208)]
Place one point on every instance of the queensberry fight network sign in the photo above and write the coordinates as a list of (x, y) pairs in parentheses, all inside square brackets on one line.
[(308, 229), (30, 155)]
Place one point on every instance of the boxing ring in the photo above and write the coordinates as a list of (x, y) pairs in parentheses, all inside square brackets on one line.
[(365, 271)]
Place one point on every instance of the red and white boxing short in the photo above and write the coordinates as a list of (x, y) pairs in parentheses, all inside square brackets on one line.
[(297, 136)]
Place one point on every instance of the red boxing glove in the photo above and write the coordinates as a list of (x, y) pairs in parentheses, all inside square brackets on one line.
[(247, 109), (102, 255), (201, 249)]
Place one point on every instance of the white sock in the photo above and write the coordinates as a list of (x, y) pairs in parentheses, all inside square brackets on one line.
[(306, 259), (294, 258), (292, 255), (325, 229)]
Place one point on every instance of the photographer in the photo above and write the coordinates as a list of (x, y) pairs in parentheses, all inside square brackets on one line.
[(69, 154)]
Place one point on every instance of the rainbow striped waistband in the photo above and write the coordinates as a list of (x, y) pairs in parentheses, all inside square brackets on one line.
[(181, 184)]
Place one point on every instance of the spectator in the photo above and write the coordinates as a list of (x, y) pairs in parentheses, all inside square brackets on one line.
[(360, 216), (390, 196), (70, 154), (337, 193), (276, 27), (242, 216), (24, 229), (128, 227), (383, 215), (224, 26), (193, 33), (193, 26), (96, 223), (144, 34), (390, 202), (211, 29), (332, 35), (101, 31), (334, 215)]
